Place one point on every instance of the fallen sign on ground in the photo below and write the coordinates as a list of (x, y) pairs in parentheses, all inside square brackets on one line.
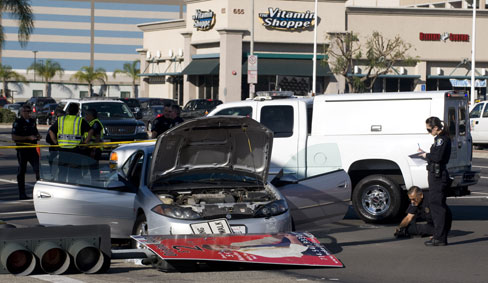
[(285, 248)]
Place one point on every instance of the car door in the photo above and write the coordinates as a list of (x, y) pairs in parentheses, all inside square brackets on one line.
[(110, 202)]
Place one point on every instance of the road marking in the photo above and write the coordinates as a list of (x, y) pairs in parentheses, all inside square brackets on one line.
[(15, 182), (480, 193), (470, 197), (56, 278), (483, 177), (16, 212), (479, 166)]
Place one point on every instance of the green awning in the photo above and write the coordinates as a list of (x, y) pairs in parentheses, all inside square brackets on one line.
[(289, 67), (209, 66), (160, 74)]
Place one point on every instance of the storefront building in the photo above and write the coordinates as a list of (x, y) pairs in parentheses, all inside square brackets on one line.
[(206, 54)]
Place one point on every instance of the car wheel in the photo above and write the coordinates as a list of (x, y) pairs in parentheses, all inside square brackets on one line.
[(377, 198), (140, 228)]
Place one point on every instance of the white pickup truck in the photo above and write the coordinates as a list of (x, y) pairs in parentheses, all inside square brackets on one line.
[(370, 136)]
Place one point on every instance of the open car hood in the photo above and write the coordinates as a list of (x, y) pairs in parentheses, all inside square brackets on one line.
[(221, 143)]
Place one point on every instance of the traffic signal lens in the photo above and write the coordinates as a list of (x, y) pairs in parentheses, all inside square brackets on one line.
[(54, 261), (19, 262), (89, 260)]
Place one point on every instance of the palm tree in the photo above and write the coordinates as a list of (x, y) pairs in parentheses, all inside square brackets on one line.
[(89, 75), (21, 10), (6, 74), (47, 70), (130, 70)]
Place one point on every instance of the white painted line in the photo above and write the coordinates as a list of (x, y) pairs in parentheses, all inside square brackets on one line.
[(56, 278), (15, 182), (17, 212), (469, 197), (479, 193), (478, 166), (483, 177)]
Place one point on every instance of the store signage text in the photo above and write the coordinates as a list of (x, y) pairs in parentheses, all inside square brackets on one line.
[(203, 20), (444, 37), (287, 20)]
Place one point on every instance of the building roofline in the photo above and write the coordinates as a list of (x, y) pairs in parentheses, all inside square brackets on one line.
[(415, 11), (163, 25)]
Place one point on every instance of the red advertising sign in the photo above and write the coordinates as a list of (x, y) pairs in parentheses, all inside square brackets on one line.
[(286, 248), (444, 37)]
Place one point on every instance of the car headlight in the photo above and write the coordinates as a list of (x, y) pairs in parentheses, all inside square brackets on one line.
[(276, 207), (140, 129), (175, 211)]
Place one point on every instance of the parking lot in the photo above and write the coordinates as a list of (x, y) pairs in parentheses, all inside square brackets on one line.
[(369, 252)]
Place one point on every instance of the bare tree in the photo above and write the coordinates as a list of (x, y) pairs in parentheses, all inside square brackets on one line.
[(378, 56)]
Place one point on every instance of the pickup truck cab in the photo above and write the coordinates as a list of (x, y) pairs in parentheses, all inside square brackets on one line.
[(479, 123), (369, 135)]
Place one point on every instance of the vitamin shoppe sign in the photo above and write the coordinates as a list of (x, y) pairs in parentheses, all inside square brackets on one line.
[(287, 20), (456, 37)]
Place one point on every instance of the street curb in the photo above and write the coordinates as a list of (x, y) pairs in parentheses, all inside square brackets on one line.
[(476, 153)]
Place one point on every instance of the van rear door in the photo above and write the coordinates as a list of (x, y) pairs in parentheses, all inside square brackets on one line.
[(455, 114)]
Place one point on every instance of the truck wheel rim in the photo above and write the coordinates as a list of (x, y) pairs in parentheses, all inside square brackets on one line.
[(141, 230), (376, 200)]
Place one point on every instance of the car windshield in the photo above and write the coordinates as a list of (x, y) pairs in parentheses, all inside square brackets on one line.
[(202, 105), (206, 178), (14, 106), (109, 110), (158, 109)]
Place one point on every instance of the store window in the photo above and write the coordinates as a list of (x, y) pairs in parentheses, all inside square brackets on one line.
[(83, 94), (125, 94), (37, 93)]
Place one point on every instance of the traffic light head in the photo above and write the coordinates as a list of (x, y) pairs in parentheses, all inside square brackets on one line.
[(55, 249)]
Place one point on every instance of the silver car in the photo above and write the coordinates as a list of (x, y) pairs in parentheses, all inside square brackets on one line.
[(208, 175)]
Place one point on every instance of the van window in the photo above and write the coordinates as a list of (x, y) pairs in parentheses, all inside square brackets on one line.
[(462, 121), (236, 111), (451, 123), (476, 112), (278, 119)]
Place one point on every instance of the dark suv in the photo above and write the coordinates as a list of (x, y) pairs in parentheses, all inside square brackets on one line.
[(118, 121), (37, 103)]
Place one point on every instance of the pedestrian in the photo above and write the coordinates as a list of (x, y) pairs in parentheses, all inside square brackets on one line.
[(95, 153), (162, 123), (175, 115), (70, 130), (418, 221), (24, 132), (439, 181), (53, 151)]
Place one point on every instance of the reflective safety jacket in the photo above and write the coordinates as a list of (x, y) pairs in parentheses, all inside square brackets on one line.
[(92, 122), (69, 131)]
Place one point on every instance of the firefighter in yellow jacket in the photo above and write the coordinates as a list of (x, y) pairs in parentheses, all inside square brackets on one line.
[(70, 130)]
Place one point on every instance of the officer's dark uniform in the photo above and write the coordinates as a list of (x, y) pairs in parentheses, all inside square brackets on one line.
[(176, 121), (421, 213), (161, 125), (439, 182), (24, 128)]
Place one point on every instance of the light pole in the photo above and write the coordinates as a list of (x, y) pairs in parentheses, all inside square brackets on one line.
[(314, 60), (473, 55), (35, 62)]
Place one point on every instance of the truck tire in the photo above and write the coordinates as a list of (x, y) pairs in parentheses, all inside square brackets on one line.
[(377, 198)]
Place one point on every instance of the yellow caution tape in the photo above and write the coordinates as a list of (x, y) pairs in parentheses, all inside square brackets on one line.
[(91, 145)]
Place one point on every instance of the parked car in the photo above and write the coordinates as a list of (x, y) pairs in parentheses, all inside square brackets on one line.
[(134, 105), (198, 108), (45, 115), (167, 188), (13, 107), (3, 101), (150, 113), (37, 103), (145, 102), (118, 121)]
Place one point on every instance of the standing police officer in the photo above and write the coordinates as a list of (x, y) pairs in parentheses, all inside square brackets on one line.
[(162, 123), (91, 116), (439, 180), (70, 130), (24, 132)]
